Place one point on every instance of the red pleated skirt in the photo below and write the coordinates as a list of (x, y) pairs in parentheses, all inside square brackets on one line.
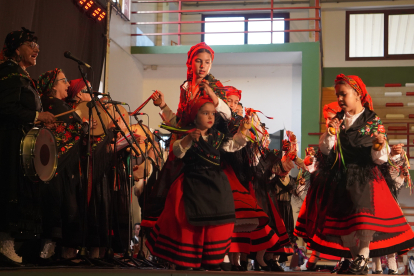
[(263, 237), (246, 206), (175, 240), (393, 233)]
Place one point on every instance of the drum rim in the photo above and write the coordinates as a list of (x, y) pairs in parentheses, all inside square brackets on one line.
[(35, 132)]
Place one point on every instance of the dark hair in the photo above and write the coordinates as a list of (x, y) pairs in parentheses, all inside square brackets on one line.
[(138, 223), (202, 50), (240, 104)]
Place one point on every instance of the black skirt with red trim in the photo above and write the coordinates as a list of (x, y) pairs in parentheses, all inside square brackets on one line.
[(262, 238), (245, 204), (175, 240), (393, 232)]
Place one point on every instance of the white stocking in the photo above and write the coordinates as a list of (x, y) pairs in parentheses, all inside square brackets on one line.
[(376, 264), (392, 262), (364, 249)]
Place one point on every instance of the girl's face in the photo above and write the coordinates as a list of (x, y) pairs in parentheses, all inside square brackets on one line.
[(233, 102), (348, 98), (201, 65), (61, 86), (206, 116), (239, 110), (329, 118)]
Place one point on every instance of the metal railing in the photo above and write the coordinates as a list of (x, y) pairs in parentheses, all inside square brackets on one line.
[(271, 9)]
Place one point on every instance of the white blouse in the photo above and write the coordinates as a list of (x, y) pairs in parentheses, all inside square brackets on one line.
[(326, 141)]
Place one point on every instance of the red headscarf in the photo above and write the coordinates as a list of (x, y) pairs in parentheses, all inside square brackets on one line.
[(75, 87), (331, 108), (197, 105), (192, 52), (356, 83), (230, 90)]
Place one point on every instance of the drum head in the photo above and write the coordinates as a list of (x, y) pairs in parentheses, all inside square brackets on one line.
[(82, 110), (45, 161)]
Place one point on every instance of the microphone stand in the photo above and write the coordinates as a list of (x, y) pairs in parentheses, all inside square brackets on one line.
[(83, 252), (149, 139), (128, 254)]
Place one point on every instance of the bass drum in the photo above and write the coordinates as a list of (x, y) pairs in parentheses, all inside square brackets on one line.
[(114, 114), (39, 155), (138, 130), (82, 110)]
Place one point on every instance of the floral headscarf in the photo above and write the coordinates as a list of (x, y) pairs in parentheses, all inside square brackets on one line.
[(13, 41), (356, 83), (193, 51), (197, 105), (230, 90), (46, 81)]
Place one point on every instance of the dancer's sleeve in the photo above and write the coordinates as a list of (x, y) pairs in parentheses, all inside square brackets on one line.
[(223, 109), (326, 143), (168, 116), (381, 156), (235, 144), (179, 150)]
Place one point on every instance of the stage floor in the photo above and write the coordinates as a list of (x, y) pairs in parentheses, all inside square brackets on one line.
[(133, 271)]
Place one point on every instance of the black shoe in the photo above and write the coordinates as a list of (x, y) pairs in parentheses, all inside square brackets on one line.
[(310, 266), (274, 265), (377, 272), (7, 262), (199, 269), (356, 268), (243, 265), (342, 267), (212, 267), (237, 268), (392, 272), (226, 266), (179, 267)]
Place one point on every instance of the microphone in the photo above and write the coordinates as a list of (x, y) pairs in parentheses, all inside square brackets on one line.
[(114, 102), (99, 93), (68, 55)]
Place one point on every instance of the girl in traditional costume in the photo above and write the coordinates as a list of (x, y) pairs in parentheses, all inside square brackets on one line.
[(243, 163), (329, 112), (351, 210), (199, 83), (197, 222)]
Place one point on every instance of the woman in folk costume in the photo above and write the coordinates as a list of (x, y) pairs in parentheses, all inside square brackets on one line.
[(197, 222), (99, 174), (199, 83), (351, 210), (61, 210)]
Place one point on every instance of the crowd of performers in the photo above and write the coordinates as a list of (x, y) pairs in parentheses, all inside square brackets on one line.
[(222, 195)]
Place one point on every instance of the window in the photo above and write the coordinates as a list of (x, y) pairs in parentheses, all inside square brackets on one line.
[(376, 35), (258, 24)]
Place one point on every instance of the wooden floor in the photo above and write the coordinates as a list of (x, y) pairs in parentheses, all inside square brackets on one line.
[(82, 271)]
